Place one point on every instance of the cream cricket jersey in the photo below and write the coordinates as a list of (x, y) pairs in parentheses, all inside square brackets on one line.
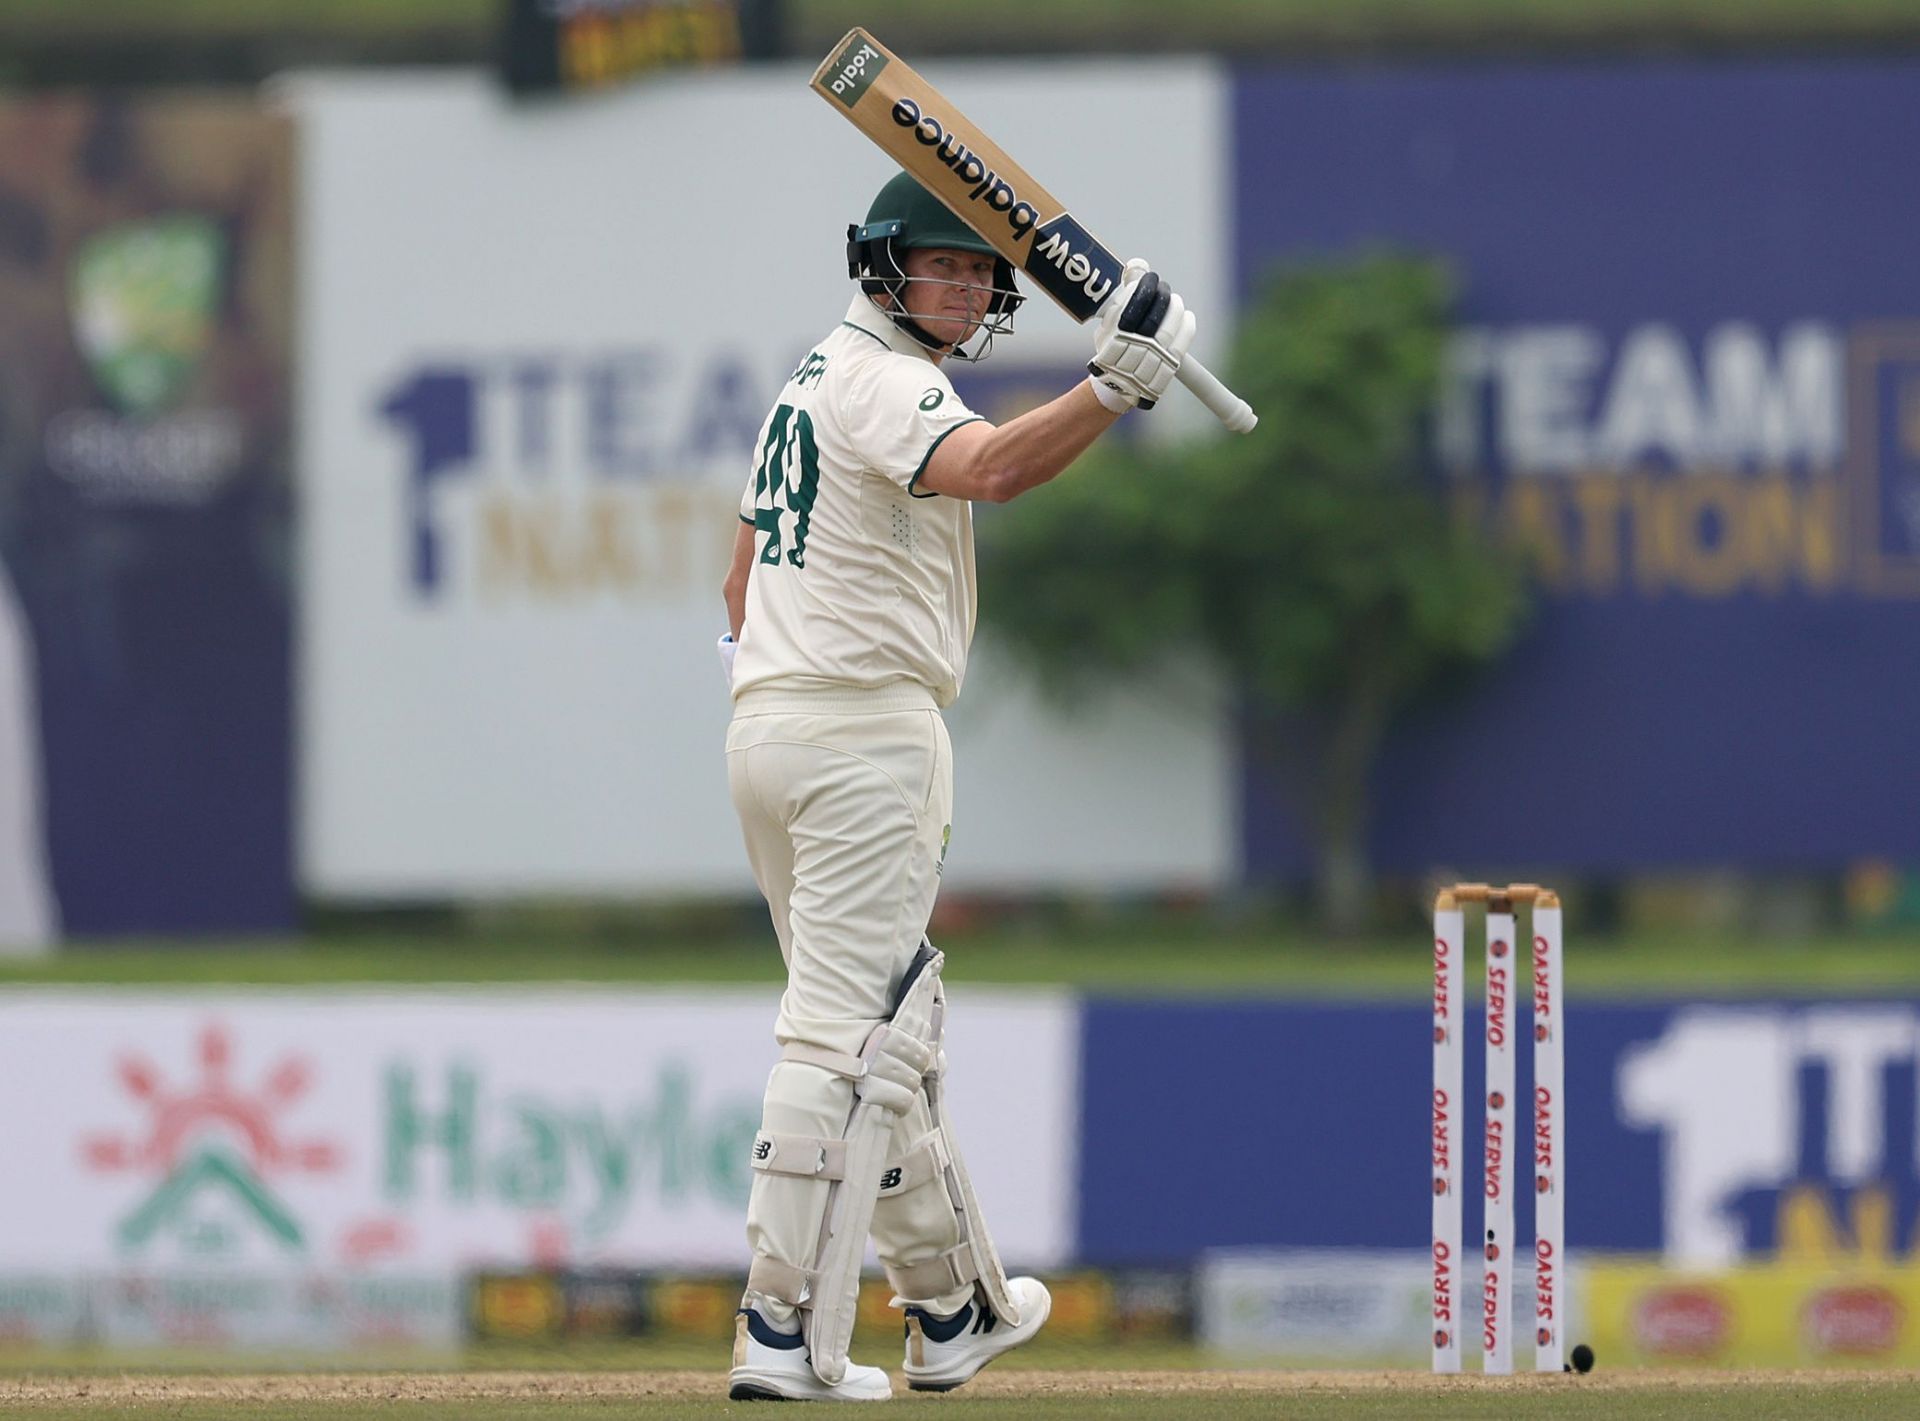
[(860, 578)]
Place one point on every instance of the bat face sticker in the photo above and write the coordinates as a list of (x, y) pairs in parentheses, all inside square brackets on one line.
[(1074, 268)]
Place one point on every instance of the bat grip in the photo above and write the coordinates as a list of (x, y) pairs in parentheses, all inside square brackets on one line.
[(1232, 411)]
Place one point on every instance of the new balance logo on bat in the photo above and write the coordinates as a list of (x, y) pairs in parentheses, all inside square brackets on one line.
[(1076, 270), (983, 186), (1065, 259)]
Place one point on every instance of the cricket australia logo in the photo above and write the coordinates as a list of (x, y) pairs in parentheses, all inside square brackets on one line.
[(209, 1151), (146, 308)]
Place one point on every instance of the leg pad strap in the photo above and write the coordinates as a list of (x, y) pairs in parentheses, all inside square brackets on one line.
[(837, 1062), (925, 1163), (807, 1156), (777, 1280), (888, 1070), (934, 1277)]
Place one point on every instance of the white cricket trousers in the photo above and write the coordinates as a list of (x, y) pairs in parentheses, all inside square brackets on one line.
[(845, 799)]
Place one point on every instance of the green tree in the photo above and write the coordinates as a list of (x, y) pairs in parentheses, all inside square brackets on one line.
[(1313, 562)]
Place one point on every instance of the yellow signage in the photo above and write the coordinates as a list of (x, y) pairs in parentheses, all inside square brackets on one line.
[(1756, 1315)]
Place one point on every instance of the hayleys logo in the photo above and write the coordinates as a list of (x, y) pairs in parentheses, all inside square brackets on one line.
[(209, 1196), (984, 186)]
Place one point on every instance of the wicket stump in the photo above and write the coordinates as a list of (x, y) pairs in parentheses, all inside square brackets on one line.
[(1502, 1149)]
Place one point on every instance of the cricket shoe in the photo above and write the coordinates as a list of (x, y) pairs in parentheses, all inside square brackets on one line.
[(942, 1353), (770, 1365)]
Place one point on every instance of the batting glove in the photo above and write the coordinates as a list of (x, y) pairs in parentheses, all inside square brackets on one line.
[(1142, 337)]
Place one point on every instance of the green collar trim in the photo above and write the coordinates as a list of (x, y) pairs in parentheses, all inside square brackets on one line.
[(865, 332)]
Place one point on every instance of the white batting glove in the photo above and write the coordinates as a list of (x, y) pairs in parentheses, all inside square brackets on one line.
[(1143, 335)]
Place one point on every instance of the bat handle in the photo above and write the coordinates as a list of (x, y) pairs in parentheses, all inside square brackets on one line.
[(1232, 411)]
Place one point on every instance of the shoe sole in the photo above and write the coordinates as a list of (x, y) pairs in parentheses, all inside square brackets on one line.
[(747, 1391), (750, 1390)]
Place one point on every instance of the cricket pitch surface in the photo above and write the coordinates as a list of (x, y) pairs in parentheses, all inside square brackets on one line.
[(997, 1392)]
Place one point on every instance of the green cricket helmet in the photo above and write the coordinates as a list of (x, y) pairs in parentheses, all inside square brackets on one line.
[(903, 217)]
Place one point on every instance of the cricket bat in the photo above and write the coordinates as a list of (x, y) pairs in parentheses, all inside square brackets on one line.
[(925, 134)]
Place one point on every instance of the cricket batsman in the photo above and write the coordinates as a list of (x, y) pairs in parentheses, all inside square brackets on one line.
[(850, 600)]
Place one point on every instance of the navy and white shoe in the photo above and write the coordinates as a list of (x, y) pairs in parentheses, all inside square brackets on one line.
[(771, 1365), (942, 1353)]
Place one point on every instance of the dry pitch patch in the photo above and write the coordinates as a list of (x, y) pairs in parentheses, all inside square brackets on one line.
[(573, 1387), (1008, 1394)]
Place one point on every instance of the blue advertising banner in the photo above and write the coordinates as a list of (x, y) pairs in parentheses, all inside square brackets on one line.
[(145, 254), (1687, 381), (1709, 1133)]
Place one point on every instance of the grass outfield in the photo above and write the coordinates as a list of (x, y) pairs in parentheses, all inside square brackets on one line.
[(1008, 1392), (1165, 958)]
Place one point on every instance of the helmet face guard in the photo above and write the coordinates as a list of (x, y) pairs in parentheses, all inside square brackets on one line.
[(874, 252), (906, 217)]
